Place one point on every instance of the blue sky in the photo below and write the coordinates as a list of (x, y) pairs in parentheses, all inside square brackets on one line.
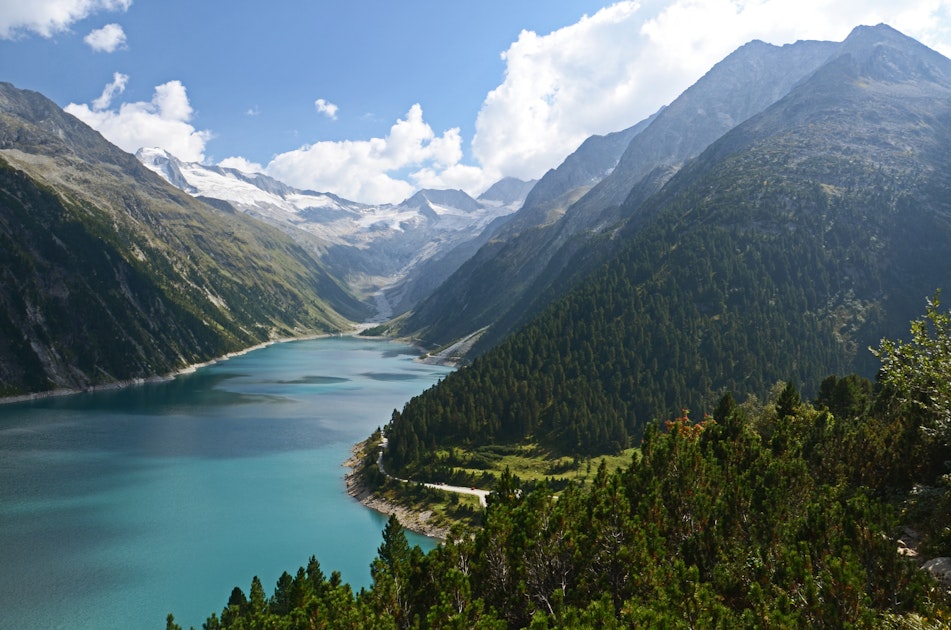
[(373, 99)]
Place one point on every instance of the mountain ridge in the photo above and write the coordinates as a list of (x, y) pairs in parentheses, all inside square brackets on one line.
[(379, 250), (516, 273)]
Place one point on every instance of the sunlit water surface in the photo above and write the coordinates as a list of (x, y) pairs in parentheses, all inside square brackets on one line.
[(119, 507)]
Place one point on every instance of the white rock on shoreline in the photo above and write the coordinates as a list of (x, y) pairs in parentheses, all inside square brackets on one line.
[(410, 519)]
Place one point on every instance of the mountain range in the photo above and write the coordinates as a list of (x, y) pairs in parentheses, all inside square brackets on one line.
[(782, 252), (110, 274), (804, 185), (751, 241), (380, 251), (511, 277)]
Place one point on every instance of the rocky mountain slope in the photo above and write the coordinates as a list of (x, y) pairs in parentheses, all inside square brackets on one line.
[(515, 274), (110, 274)]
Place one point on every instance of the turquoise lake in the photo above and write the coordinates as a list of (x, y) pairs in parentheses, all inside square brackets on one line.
[(119, 507)]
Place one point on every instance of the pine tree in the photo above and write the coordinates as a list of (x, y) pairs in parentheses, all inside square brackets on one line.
[(390, 571)]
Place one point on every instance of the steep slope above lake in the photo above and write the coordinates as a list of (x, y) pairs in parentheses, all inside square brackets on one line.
[(513, 276), (111, 274)]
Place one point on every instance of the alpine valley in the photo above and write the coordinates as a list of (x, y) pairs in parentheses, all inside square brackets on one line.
[(394, 253), (112, 274), (761, 237)]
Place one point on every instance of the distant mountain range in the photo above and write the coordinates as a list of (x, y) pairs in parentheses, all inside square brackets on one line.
[(810, 176), (377, 249)]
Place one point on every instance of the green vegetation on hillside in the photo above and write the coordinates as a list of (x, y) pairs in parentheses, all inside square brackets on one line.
[(530, 462), (110, 274), (781, 513), (132, 286), (786, 248), (755, 264)]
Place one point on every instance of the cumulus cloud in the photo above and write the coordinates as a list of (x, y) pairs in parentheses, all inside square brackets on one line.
[(326, 108), (472, 179), (47, 17), (162, 122), (616, 67), (107, 39), (713, 29), (374, 170)]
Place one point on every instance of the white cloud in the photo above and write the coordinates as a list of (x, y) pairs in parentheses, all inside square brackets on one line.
[(372, 171), (241, 164), (47, 17), (326, 108), (469, 178), (108, 39), (162, 122), (714, 28), (117, 86), (601, 74), (559, 89), (610, 70)]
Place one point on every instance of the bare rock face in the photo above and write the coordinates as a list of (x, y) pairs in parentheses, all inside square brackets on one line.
[(940, 569)]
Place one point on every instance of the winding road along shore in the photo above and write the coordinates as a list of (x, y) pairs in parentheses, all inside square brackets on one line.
[(482, 494), (413, 520)]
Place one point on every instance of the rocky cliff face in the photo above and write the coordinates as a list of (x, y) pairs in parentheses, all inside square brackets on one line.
[(748, 81)]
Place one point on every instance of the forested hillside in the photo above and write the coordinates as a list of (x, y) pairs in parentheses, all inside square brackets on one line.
[(784, 251), (775, 514)]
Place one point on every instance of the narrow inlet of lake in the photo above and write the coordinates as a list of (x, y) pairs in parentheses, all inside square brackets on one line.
[(119, 507)]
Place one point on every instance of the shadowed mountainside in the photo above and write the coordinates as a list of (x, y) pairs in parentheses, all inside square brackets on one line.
[(111, 274)]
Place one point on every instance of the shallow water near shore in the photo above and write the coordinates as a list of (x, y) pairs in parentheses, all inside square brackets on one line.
[(118, 507)]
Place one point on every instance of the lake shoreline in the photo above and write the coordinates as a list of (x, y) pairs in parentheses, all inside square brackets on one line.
[(161, 378), (412, 520), (233, 471)]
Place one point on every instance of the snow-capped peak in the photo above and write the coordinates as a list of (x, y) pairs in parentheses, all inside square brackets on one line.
[(166, 165), (375, 245)]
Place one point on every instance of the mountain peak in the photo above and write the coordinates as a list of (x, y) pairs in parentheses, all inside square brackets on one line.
[(881, 53), (878, 33), (166, 165), (452, 197), (508, 190)]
